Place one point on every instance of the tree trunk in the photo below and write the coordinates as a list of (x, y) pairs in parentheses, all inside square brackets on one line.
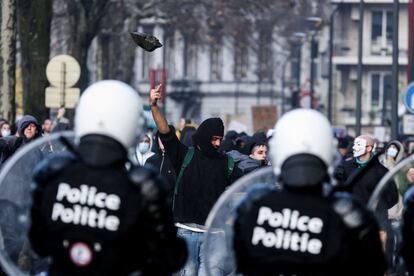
[(34, 32), (116, 50), (8, 60), (84, 18)]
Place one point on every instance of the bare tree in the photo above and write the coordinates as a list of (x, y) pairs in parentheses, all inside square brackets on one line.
[(8, 59), (84, 18), (116, 52), (34, 32)]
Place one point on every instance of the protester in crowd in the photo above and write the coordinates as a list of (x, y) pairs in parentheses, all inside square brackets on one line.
[(187, 132), (361, 174), (121, 222), (229, 141), (203, 175), (393, 154), (142, 151), (260, 138), (344, 151), (243, 143), (47, 130), (5, 128), (61, 123), (409, 145), (47, 127), (162, 163), (255, 160), (28, 129), (295, 228)]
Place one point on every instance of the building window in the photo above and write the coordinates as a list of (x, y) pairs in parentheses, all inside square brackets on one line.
[(169, 44), (375, 90), (241, 61), (265, 59), (146, 56), (381, 32), (190, 59), (381, 88), (216, 61)]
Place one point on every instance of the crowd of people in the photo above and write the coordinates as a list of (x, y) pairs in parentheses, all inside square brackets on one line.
[(115, 191)]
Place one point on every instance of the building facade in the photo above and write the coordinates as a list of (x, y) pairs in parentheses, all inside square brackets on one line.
[(376, 62), (224, 79)]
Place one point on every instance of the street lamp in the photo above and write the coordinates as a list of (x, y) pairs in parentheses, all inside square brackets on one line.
[(358, 112), (331, 50), (296, 40), (286, 55), (395, 52), (315, 24)]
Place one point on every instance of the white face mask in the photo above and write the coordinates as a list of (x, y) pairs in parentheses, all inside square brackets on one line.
[(360, 147), (5, 133), (143, 147), (392, 152)]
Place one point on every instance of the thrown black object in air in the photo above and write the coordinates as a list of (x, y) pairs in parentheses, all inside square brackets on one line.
[(145, 41)]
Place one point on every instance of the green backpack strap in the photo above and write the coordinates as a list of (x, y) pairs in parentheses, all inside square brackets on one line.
[(186, 161), (230, 166)]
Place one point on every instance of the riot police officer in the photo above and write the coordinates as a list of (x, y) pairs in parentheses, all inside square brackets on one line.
[(407, 230), (91, 215), (299, 228)]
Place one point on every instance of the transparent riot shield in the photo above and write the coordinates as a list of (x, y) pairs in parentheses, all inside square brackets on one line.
[(218, 246), (16, 186), (386, 202)]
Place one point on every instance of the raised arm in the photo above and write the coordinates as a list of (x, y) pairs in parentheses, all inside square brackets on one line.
[(159, 118)]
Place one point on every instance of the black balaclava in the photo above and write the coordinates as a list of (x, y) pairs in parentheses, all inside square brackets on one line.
[(205, 132)]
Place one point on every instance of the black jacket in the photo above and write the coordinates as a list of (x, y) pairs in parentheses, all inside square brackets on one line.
[(203, 181), (88, 203), (361, 182), (163, 165), (286, 232)]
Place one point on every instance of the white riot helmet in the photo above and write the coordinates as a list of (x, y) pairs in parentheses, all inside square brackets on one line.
[(111, 108), (305, 132)]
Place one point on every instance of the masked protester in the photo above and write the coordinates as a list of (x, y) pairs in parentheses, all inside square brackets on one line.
[(361, 174), (297, 229), (394, 153), (5, 129), (90, 215), (203, 175), (142, 151)]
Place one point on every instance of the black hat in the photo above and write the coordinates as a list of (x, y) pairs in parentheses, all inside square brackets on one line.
[(343, 143)]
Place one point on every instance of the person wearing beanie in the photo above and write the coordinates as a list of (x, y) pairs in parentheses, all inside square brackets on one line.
[(229, 141), (28, 129), (203, 172)]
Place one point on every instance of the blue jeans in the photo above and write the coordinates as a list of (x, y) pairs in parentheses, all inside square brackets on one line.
[(196, 262)]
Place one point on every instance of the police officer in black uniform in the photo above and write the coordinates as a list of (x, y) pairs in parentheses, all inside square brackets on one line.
[(91, 215), (297, 228), (407, 231)]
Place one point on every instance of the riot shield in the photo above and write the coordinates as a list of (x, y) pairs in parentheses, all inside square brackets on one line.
[(387, 205), (16, 186), (218, 245)]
